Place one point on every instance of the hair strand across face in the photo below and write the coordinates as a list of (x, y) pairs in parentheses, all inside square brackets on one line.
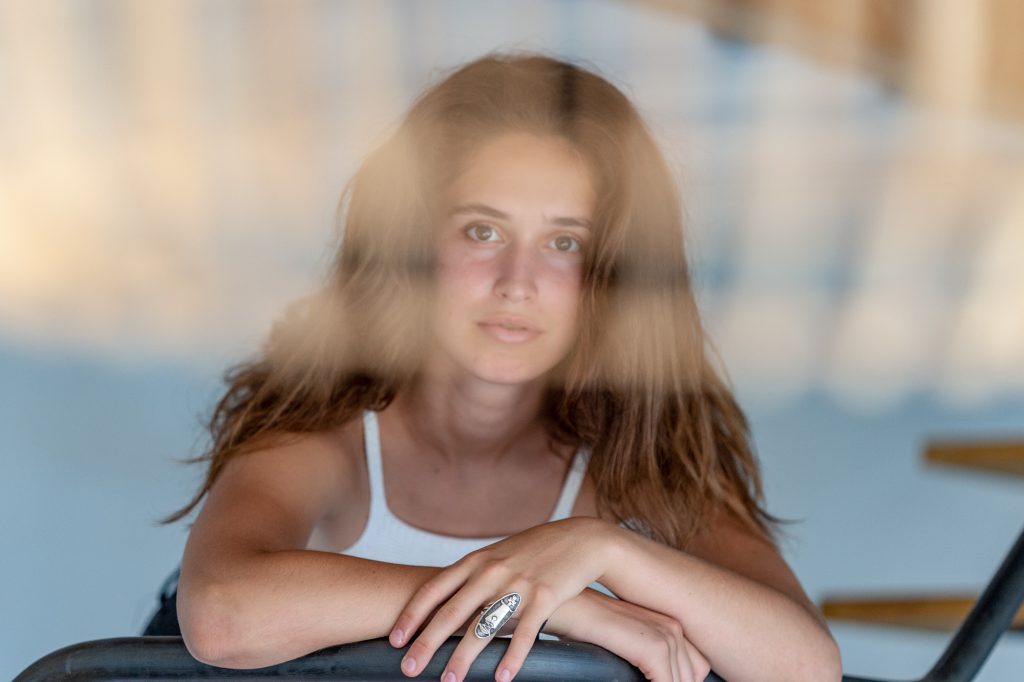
[(669, 444)]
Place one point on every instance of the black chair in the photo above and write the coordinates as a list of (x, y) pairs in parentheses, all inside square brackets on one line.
[(164, 621), (163, 657)]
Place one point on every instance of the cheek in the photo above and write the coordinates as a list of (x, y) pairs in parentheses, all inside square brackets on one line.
[(562, 290), (565, 280), (461, 271), (459, 286)]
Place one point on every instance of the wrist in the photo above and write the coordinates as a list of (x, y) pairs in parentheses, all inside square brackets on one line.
[(613, 549), (566, 618)]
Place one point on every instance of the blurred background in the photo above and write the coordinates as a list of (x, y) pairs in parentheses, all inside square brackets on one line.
[(853, 173)]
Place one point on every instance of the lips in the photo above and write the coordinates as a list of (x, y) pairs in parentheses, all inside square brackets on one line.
[(510, 322), (509, 328)]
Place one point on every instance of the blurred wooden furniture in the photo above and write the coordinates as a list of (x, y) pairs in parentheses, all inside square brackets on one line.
[(925, 612), (997, 456), (936, 611), (909, 44)]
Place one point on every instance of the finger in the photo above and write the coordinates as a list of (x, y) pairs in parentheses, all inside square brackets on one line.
[(473, 643), (677, 671), (661, 668), (523, 639), (683, 664), (659, 661), (699, 664), (427, 598), (465, 653), (448, 620)]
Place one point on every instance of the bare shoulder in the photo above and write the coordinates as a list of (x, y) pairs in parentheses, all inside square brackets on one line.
[(271, 495)]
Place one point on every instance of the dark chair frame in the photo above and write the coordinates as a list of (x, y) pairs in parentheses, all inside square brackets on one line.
[(166, 658)]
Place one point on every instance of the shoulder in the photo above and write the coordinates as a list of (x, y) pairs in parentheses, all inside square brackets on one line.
[(305, 476), (311, 454)]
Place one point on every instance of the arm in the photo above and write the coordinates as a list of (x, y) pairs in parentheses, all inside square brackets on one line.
[(737, 600), (653, 642), (250, 595)]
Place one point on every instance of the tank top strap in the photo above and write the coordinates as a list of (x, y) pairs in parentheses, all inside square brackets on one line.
[(375, 470), (374, 466), (573, 481)]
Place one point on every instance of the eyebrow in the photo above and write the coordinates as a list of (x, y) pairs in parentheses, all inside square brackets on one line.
[(484, 209)]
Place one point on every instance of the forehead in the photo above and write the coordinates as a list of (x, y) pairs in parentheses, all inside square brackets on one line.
[(522, 167)]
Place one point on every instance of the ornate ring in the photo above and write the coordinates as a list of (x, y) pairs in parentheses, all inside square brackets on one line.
[(496, 614)]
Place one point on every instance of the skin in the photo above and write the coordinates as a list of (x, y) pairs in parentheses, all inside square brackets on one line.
[(480, 396), (512, 233), (472, 421), (502, 250)]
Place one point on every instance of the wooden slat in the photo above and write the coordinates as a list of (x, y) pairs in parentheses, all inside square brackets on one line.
[(928, 612), (1002, 457), (882, 37)]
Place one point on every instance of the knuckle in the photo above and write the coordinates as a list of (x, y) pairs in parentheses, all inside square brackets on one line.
[(431, 590), (459, 663), (664, 632), (466, 560), (421, 648), (520, 647), (543, 593), (495, 569), (449, 613), (675, 628), (517, 654)]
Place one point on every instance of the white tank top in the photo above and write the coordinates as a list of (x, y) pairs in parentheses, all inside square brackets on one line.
[(387, 538)]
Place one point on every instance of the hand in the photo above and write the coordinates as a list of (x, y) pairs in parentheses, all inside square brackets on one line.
[(547, 565), (651, 641)]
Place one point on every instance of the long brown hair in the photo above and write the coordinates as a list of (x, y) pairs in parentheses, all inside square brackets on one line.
[(669, 444)]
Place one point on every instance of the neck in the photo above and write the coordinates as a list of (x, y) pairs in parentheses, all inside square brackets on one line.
[(463, 420)]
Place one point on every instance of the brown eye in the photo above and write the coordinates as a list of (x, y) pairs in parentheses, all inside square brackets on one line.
[(566, 244), (481, 233)]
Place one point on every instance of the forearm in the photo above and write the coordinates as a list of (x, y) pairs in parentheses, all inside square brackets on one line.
[(269, 607), (749, 631)]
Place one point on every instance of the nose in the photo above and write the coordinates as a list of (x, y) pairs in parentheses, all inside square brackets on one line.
[(515, 280)]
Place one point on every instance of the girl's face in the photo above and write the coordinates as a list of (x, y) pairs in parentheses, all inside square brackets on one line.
[(513, 230)]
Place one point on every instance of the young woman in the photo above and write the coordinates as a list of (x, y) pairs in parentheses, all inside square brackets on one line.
[(500, 397)]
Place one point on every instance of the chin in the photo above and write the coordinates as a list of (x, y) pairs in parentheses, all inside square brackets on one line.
[(518, 364), (504, 371)]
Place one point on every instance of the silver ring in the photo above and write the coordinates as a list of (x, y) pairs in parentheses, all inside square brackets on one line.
[(496, 614)]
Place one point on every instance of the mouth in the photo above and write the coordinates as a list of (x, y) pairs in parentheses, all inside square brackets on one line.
[(517, 324), (509, 329)]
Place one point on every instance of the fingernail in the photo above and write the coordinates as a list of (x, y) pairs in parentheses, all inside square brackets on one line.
[(449, 677), (398, 636), (409, 664), (504, 675)]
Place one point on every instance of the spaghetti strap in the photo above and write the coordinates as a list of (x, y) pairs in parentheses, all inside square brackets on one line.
[(388, 538), (375, 469), (571, 488), (374, 466)]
